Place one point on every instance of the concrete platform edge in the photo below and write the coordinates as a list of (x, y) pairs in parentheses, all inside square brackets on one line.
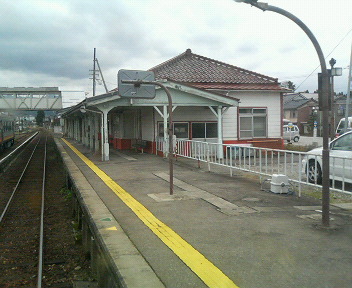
[(131, 268)]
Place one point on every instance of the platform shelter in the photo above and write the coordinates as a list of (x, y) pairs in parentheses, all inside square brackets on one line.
[(110, 120)]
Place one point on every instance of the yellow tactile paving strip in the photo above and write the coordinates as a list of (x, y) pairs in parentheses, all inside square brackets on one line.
[(202, 267)]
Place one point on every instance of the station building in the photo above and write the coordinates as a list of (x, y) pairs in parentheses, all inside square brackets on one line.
[(212, 102)]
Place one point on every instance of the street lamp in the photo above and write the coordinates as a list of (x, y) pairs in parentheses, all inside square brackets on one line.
[(141, 84), (334, 71), (323, 102)]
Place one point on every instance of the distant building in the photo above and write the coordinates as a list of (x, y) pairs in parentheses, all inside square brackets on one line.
[(299, 109)]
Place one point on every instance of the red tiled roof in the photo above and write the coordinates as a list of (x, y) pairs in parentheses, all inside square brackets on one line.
[(206, 73), (237, 86)]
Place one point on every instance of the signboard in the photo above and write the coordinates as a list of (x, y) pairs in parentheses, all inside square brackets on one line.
[(130, 84)]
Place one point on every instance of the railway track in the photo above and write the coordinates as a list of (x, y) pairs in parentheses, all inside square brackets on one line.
[(24, 211), (63, 260)]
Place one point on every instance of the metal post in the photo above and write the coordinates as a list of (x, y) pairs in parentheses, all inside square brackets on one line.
[(348, 93), (166, 132), (170, 154), (171, 149), (332, 62), (94, 72), (324, 106)]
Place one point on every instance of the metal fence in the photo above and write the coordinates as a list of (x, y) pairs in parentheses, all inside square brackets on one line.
[(265, 162)]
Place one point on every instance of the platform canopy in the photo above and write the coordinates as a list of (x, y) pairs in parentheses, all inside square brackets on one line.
[(182, 95)]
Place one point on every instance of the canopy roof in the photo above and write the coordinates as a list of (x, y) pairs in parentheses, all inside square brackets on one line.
[(182, 95)]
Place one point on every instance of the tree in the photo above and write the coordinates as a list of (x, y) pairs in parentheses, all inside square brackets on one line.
[(291, 86), (40, 117)]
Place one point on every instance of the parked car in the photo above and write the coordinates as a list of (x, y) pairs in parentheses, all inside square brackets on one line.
[(340, 129), (340, 161), (291, 133)]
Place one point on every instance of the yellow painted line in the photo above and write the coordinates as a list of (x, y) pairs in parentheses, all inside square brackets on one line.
[(113, 228), (202, 267)]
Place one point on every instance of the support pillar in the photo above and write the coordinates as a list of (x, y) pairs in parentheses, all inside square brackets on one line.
[(81, 127), (166, 133), (218, 114), (220, 148), (96, 131), (106, 136), (91, 130)]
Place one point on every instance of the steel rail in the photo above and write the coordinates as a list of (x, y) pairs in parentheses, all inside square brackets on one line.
[(18, 183), (17, 149), (41, 237)]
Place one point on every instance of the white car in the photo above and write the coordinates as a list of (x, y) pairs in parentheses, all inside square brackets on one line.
[(340, 161), (291, 133)]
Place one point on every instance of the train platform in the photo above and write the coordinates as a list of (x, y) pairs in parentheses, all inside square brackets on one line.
[(214, 231)]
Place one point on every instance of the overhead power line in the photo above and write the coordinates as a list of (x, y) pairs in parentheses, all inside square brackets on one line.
[(338, 44)]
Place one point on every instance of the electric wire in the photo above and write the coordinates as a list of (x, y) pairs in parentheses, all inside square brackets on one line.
[(338, 44)]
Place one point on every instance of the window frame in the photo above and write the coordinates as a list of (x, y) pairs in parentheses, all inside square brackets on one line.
[(160, 128), (253, 114), (206, 131)]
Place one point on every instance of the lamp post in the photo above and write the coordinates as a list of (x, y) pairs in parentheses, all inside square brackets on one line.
[(348, 93), (141, 84), (323, 102), (333, 72)]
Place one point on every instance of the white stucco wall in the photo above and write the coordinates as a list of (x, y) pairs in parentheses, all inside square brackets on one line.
[(269, 100), (150, 117)]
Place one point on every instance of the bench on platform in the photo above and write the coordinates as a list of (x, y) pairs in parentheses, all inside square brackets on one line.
[(140, 144)]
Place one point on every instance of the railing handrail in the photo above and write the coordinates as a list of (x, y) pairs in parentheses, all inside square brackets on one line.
[(257, 160)]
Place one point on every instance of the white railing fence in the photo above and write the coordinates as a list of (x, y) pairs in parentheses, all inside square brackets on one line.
[(264, 162)]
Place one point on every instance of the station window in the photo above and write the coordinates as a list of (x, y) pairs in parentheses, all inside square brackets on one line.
[(252, 122), (180, 129), (204, 130)]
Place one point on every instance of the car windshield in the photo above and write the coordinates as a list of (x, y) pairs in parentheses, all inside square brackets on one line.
[(343, 143)]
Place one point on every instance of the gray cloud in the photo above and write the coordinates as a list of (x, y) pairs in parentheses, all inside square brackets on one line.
[(60, 44), (43, 41)]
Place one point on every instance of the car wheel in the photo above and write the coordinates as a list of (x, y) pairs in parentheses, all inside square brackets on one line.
[(314, 174), (296, 139)]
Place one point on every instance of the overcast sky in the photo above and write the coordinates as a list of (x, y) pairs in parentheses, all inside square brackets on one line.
[(51, 42)]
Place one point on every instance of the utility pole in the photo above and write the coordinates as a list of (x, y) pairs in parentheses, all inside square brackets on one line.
[(94, 73)]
